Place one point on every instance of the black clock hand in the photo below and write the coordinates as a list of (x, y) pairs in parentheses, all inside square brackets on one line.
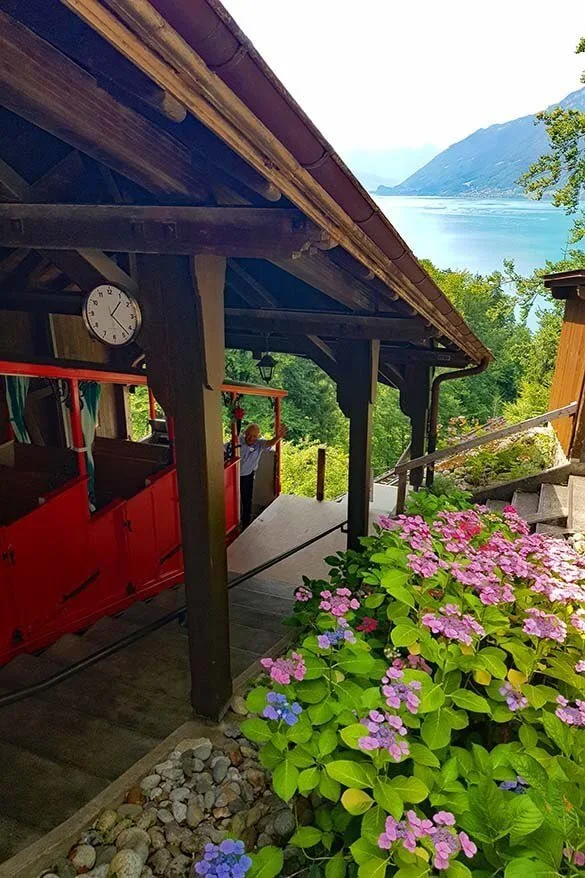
[(118, 322), (115, 309)]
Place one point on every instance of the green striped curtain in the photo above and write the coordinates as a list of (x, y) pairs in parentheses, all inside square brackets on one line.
[(16, 391), (89, 394)]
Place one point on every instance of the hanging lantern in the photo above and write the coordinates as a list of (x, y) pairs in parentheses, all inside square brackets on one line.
[(266, 365)]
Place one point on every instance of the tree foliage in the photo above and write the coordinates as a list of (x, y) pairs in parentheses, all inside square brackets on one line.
[(561, 170)]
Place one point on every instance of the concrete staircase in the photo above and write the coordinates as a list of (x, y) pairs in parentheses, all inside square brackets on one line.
[(557, 509)]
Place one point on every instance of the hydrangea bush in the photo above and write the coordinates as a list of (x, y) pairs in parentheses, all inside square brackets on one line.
[(433, 709)]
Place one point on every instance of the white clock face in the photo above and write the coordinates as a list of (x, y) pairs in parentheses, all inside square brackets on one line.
[(112, 315)]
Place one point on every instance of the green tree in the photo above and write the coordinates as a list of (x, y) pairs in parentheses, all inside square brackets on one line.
[(561, 170)]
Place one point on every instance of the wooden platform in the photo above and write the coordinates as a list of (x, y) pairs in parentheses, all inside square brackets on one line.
[(61, 748)]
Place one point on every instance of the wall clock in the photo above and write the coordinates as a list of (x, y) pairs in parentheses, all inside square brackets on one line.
[(112, 315)]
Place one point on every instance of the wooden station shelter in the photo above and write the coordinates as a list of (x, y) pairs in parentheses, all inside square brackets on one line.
[(569, 378), (147, 151)]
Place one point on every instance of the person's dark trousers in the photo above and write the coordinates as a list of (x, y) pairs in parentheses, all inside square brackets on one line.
[(246, 493)]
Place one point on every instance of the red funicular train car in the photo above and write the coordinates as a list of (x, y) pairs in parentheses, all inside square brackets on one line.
[(83, 536)]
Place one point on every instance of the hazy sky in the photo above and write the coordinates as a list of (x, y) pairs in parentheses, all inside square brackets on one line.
[(382, 74)]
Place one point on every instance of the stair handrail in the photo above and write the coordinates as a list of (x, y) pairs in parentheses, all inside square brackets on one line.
[(402, 468)]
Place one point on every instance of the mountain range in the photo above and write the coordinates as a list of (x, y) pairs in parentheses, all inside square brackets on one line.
[(486, 164), (374, 167)]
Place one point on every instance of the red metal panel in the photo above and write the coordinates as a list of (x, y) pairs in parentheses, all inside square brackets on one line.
[(143, 563), (231, 478), (165, 497), (50, 557), (8, 610)]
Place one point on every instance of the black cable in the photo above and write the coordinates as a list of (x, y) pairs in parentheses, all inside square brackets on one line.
[(104, 652)]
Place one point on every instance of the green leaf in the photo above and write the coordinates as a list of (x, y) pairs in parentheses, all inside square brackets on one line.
[(388, 798), (457, 869), (373, 601), (358, 663), (470, 701), (270, 756), (436, 730), (538, 696), (256, 699), (356, 801), (301, 757), (285, 778), (394, 581), (522, 867), (410, 789), (306, 837), (432, 697), (526, 817), (363, 850), (373, 868), (336, 866), (319, 714), (351, 774), (350, 735), (312, 691), (492, 660), (327, 742), (558, 732), (308, 780), (316, 667), (423, 756), (404, 634), (301, 732), (256, 730), (531, 770), (267, 863), (528, 736), (373, 823), (329, 788)]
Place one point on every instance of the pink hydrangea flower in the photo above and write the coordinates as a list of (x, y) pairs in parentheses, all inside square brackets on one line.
[(545, 625), (575, 857), (438, 832), (580, 667), (303, 594), (283, 670), (578, 620), (340, 603), (398, 693)]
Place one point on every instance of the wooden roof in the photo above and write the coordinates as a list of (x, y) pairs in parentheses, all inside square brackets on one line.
[(135, 109)]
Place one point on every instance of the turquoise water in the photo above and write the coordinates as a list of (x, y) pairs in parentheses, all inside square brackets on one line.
[(479, 234)]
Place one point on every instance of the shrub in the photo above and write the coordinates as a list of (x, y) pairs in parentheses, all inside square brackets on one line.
[(299, 470), (432, 710)]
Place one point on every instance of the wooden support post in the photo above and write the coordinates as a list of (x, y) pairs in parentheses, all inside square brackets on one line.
[(183, 337), (277, 450), (414, 401), (356, 393), (321, 473)]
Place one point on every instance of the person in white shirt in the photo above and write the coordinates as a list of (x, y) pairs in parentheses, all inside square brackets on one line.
[(251, 449)]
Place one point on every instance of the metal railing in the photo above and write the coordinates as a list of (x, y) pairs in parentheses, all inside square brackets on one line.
[(402, 468)]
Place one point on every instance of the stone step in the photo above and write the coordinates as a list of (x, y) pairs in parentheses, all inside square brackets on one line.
[(554, 499), (141, 613), (576, 514), (526, 503), (108, 629), (552, 529), (33, 789), (26, 669), (71, 737), (69, 649), (15, 835), (170, 599), (497, 505)]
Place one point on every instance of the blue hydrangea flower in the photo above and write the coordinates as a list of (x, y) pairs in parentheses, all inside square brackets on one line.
[(518, 786), (278, 708), (224, 860)]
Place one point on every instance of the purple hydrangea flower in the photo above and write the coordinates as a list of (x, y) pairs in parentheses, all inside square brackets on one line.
[(278, 708), (444, 840), (514, 697), (572, 716), (545, 625), (453, 624), (384, 730), (224, 860), (398, 693)]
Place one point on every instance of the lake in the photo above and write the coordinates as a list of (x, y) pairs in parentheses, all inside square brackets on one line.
[(478, 234)]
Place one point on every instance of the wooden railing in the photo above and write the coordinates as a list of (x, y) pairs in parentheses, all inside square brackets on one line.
[(402, 468)]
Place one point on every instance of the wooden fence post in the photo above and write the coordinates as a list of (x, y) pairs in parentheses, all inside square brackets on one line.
[(321, 472)]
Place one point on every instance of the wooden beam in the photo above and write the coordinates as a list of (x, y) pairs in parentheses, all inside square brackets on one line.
[(12, 186), (234, 231), (327, 323), (318, 271), (415, 401), (183, 337), (430, 356), (41, 302), (45, 87)]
